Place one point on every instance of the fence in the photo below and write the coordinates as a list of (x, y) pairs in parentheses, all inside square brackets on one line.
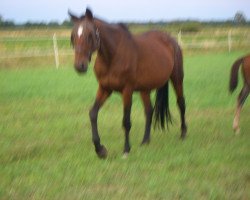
[(53, 46), (227, 40), (35, 48), (207, 44)]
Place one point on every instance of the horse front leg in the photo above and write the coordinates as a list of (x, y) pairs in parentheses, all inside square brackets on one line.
[(126, 122), (101, 97), (148, 109)]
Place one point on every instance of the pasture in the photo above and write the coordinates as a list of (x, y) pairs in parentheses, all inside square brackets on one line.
[(45, 136)]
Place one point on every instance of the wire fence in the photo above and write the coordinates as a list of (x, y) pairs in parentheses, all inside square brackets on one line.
[(52, 47)]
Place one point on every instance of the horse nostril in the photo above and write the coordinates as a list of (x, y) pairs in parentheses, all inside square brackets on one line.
[(84, 68), (81, 68)]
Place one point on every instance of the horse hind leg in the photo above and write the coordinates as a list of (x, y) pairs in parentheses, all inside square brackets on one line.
[(148, 109), (126, 122), (241, 99), (182, 106), (178, 87)]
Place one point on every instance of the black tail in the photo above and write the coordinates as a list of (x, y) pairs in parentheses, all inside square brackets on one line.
[(162, 114), (234, 74)]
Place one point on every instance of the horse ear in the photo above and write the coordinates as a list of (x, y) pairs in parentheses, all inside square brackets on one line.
[(72, 16), (89, 14)]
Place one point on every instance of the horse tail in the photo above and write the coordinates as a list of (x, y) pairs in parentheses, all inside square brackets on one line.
[(234, 74), (178, 62), (162, 114)]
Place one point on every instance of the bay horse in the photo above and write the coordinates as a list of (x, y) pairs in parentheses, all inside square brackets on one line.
[(245, 62), (126, 63)]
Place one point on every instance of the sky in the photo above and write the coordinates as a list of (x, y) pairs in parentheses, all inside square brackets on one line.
[(22, 11)]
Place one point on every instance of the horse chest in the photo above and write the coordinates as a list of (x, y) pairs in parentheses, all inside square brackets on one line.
[(110, 80), (113, 77)]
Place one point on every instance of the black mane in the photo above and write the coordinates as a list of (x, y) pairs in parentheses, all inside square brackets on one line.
[(125, 28)]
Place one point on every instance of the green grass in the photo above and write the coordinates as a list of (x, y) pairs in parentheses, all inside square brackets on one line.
[(46, 150)]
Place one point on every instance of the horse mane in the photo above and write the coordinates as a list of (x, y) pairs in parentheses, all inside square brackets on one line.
[(108, 45), (125, 29), (123, 26)]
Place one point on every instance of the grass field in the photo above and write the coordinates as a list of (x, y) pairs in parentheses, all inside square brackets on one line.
[(46, 150), (45, 136)]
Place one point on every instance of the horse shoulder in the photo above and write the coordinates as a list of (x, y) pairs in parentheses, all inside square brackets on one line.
[(100, 68), (113, 77)]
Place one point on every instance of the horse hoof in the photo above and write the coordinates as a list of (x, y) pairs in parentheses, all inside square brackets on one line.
[(144, 142), (125, 155), (102, 153), (184, 133), (237, 131)]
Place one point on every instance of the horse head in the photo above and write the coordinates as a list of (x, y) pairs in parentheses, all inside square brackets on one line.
[(85, 39)]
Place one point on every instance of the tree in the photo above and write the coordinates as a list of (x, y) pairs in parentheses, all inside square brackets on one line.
[(240, 18), (1, 20), (67, 23), (6, 23)]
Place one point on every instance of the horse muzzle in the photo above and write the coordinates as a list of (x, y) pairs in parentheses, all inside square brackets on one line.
[(81, 68)]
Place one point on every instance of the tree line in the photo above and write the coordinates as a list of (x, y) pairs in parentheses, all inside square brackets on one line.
[(239, 19), (11, 24)]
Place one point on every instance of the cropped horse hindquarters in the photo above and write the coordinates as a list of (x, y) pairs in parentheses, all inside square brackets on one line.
[(245, 62), (126, 63)]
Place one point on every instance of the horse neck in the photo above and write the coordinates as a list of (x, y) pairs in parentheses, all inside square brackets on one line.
[(109, 39)]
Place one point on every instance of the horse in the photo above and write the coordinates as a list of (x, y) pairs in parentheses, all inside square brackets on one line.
[(245, 62), (127, 63)]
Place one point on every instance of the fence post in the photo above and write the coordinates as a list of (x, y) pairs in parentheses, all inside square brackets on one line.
[(179, 38), (56, 51), (229, 39)]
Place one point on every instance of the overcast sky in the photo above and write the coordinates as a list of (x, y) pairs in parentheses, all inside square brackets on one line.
[(127, 10)]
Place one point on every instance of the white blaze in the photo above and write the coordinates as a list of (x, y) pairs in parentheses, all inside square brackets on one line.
[(80, 30)]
